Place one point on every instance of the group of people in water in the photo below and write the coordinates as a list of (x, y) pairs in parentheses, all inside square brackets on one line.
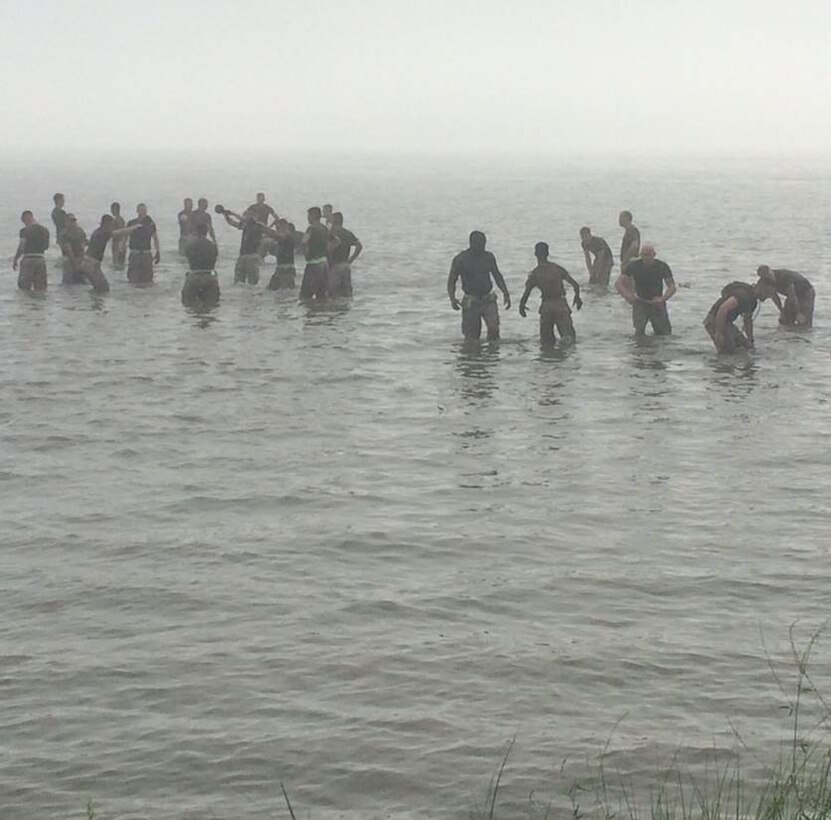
[(330, 249), (645, 282)]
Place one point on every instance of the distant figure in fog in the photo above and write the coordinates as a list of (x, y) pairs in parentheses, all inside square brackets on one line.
[(285, 273), (328, 215), (141, 259), (641, 284), (59, 216), (260, 210), (73, 242), (737, 299), (554, 309), (599, 268), (201, 286), (34, 240), (119, 243), (341, 257), (317, 245), (185, 226), (798, 310), (630, 245), (475, 267)]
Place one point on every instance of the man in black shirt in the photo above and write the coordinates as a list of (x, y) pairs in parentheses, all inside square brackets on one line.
[(201, 216), (600, 269), (91, 263), (141, 259), (185, 227), (737, 299), (342, 257), (317, 245), (119, 243), (475, 266), (73, 242), (641, 284), (34, 240), (260, 210), (284, 274), (798, 310), (247, 268), (201, 286), (58, 216), (630, 245)]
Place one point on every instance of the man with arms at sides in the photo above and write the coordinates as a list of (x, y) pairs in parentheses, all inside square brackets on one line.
[(600, 269), (201, 284), (798, 310), (737, 299), (630, 245), (284, 274), (185, 227), (119, 240), (317, 245), (94, 256), (475, 267), (554, 309), (342, 257), (73, 242), (141, 259), (34, 240), (641, 283), (328, 215)]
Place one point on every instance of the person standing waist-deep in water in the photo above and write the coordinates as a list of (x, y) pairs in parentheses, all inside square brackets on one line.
[(798, 310), (641, 284), (201, 284), (59, 216), (599, 268), (630, 245), (317, 245), (141, 259), (284, 274), (247, 268), (341, 257), (73, 243), (94, 256), (477, 269), (34, 240), (119, 239), (554, 309), (737, 299), (186, 233)]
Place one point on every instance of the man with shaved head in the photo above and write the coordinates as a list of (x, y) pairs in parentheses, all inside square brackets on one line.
[(641, 283)]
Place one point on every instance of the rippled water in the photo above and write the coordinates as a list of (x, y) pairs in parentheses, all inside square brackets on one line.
[(341, 549)]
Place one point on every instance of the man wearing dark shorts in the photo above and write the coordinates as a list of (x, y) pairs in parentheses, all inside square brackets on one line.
[(185, 227), (119, 242), (284, 274), (341, 258), (94, 256), (141, 259), (600, 269), (475, 266), (554, 309), (247, 268), (737, 299), (58, 216), (798, 310), (34, 240), (630, 245), (317, 245), (201, 284), (73, 242), (641, 284)]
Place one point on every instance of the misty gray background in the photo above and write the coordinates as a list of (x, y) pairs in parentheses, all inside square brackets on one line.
[(535, 77)]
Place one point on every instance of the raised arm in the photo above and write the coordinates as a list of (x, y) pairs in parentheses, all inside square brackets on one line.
[(234, 220), (500, 282)]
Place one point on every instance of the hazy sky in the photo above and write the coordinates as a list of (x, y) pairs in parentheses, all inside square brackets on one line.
[(536, 76)]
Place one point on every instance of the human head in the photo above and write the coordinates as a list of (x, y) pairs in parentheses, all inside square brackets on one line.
[(766, 274), (648, 254), (141, 210), (59, 200), (260, 198), (625, 219), (27, 218), (202, 229), (71, 218), (478, 240), (541, 251), (107, 221), (314, 215), (763, 290), (585, 234), (327, 210), (202, 204), (188, 204), (337, 219), (115, 208)]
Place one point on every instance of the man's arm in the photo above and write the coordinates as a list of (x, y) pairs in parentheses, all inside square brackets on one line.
[(158, 256), (748, 327), (587, 255), (211, 232), (500, 282), (357, 252), (233, 220), (451, 285), (625, 287), (523, 302), (668, 293), (18, 253), (577, 302), (721, 321)]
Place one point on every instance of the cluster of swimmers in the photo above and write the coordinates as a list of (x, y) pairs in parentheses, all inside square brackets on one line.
[(330, 249), (645, 282)]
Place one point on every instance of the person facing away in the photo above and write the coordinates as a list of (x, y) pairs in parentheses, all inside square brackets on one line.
[(260, 210), (59, 216), (477, 269), (141, 259), (73, 243), (284, 274), (641, 284), (328, 214), (630, 245), (798, 310), (119, 239), (201, 284), (554, 310), (599, 268), (737, 299), (34, 240), (317, 244), (185, 227), (341, 257)]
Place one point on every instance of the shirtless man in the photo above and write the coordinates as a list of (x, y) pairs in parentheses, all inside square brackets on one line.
[(91, 263), (737, 299), (475, 266), (73, 243), (247, 268), (34, 240), (342, 257), (630, 245), (201, 284), (317, 245), (641, 284), (185, 227), (58, 216), (601, 268), (119, 240), (554, 309), (141, 260), (284, 274), (798, 310)]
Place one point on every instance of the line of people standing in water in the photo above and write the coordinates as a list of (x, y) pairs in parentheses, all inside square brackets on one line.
[(645, 282), (330, 249)]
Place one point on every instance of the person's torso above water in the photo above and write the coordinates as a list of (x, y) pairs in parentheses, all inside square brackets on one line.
[(649, 279), (98, 244), (35, 238), (346, 241), (548, 277), (201, 254), (475, 271), (745, 296), (74, 236), (252, 236), (317, 243), (140, 240)]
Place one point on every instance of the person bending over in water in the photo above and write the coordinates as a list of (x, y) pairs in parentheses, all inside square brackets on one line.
[(34, 240), (73, 242), (798, 310), (737, 299), (554, 309), (284, 274), (630, 245), (141, 260), (119, 243), (475, 266), (317, 245), (601, 268), (641, 284), (342, 257), (94, 256), (201, 284)]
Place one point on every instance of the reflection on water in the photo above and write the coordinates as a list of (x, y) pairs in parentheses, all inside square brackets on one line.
[(475, 363), (735, 375)]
